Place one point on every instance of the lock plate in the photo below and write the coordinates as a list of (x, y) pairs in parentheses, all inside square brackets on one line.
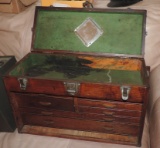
[(72, 87), (23, 83)]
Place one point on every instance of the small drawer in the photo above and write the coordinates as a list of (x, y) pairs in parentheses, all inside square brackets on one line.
[(121, 119), (60, 122), (78, 124), (43, 101), (109, 104), (60, 113), (109, 112)]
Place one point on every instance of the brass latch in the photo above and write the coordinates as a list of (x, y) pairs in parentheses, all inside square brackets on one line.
[(23, 83), (125, 92), (72, 87)]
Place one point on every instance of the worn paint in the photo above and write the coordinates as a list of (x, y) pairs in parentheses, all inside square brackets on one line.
[(113, 63)]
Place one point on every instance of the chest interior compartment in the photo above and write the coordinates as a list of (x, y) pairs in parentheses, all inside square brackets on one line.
[(70, 59)]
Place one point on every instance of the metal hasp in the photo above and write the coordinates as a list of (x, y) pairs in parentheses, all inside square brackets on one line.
[(125, 92), (72, 87), (23, 83)]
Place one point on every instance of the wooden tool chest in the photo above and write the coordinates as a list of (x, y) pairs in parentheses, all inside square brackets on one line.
[(85, 78)]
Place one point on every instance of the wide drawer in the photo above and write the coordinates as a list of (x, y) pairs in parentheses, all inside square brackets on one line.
[(78, 115), (78, 124), (43, 101)]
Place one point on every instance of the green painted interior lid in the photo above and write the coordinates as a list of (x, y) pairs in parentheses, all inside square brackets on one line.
[(102, 31)]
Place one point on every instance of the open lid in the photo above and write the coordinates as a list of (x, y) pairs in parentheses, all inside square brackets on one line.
[(89, 31)]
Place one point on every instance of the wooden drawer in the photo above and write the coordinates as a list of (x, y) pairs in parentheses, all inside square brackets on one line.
[(109, 112), (78, 124), (44, 101), (87, 116), (109, 104)]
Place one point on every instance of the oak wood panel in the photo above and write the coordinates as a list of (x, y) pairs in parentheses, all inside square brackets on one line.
[(111, 92), (86, 90), (41, 86), (109, 112), (109, 104), (77, 124), (88, 116), (44, 101)]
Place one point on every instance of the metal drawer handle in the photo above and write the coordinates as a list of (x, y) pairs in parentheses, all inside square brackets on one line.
[(46, 113), (48, 122), (109, 119), (108, 128), (45, 103)]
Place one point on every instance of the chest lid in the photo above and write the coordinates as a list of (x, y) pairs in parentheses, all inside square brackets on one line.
[(89, 31)]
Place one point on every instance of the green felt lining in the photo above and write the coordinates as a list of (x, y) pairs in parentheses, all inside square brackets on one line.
[(47, 66), (122, 32)]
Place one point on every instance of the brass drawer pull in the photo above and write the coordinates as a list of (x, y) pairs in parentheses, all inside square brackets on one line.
[(108, 128), (48, 122), (45, 103), (109, 119), (46, 113)]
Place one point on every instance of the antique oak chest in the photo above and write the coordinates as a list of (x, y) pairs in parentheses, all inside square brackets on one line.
[(85, 78)]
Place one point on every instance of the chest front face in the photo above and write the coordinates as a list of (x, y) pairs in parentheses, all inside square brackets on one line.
[(90, 75)]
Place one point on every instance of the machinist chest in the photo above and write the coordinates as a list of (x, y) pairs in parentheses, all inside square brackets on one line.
[(85, 78)]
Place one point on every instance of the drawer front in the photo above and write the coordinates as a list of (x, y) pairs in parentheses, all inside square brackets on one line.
[(44, 101), (87, 116), (77, 124), (59, 113), (109, 112), (109, 104)]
